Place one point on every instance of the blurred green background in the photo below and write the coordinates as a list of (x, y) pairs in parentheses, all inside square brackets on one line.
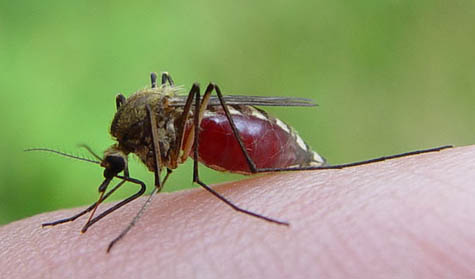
[(389, 76)]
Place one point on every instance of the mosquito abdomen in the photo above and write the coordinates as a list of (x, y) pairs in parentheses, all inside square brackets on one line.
[(270, 142)]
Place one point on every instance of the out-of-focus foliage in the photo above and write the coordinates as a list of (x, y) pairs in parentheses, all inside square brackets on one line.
[(389, 76)]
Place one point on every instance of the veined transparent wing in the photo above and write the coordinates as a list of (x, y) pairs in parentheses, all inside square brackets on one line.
[(178, 101)]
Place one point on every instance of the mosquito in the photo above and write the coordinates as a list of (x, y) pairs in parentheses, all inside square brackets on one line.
[(225, 133)]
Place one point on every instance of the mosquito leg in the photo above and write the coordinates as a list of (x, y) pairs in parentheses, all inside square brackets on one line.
[(156, 146), (153, 78), (188, 145), (196, 120), (138, 215), (237, 208), (237, 136), (181, 129), (157, 171), (120, 204), (72, 218), (365, 162), (384, 158), (166, 77)]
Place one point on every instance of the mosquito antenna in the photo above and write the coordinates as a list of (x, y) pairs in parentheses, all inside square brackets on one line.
[(62, 154), (90, 151)]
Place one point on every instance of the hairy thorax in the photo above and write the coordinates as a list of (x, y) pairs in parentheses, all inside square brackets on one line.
[(131, 126)]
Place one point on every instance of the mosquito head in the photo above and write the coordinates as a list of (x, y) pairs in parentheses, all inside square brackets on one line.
[(114, 162)]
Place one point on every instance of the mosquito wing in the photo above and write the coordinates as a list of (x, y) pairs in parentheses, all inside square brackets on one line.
[(178, 101)]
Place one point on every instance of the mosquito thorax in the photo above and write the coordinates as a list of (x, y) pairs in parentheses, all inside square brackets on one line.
[(131, 126)]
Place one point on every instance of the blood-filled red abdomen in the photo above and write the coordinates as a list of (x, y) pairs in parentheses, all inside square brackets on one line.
[(269, 142)]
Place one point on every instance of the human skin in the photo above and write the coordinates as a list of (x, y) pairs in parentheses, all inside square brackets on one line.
[(411, 217)]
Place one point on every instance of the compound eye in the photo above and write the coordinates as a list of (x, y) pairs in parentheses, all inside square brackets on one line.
[(113, 164)]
